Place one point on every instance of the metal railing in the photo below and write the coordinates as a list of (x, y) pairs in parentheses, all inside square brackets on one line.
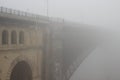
[(19, 13), (27, 14)]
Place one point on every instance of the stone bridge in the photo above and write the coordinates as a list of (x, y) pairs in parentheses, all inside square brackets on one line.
[(37, 47)]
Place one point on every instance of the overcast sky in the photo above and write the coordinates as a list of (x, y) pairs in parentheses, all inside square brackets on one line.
[(96, 12)]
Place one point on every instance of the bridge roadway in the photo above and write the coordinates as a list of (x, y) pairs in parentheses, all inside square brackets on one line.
[(66, 45)]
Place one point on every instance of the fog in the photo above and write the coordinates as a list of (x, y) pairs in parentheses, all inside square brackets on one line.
[(104, 62)]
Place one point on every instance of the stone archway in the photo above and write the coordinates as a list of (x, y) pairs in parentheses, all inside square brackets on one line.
[(21, 71)]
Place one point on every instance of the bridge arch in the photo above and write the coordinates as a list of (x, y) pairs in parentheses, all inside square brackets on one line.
[(21, 65), (13, 37), (5, 37), (21, 71), (21, 37)]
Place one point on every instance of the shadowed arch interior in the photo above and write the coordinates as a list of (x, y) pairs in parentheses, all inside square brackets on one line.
[(21, 71), (13, 37), (21, 37), (5, 37)]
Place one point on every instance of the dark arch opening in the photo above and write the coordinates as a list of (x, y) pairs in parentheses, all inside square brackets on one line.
[(5, 37), (13, 37), (21, 37), (21, 71)]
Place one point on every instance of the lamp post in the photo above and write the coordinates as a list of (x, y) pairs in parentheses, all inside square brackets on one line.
[(47, 8)]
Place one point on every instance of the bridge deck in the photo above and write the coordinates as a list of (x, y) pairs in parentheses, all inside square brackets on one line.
[(23, 16)]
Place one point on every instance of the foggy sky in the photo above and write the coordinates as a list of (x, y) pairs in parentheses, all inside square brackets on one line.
[(104, 13)]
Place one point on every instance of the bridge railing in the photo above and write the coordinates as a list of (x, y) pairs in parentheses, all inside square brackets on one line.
[(21, 13), (30, 15), (60, 20)]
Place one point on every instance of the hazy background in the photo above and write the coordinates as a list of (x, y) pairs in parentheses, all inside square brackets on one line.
[(100, 65)]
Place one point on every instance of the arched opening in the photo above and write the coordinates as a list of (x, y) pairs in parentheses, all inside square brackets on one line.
[(13, 37), (21, 71), (5, 37), (21, 37)]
